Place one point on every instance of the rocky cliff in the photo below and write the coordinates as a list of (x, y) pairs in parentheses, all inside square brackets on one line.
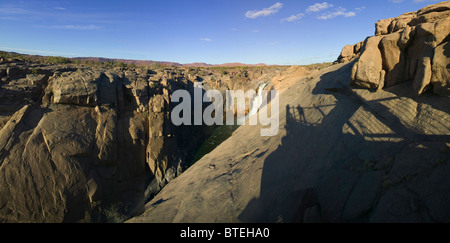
[(412, 47), (356, 142), (365, 140), (88, 144)]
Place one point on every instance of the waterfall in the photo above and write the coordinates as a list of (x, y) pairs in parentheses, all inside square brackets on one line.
[(255, 104)]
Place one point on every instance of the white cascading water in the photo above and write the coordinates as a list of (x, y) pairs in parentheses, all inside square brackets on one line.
[(255, 104)]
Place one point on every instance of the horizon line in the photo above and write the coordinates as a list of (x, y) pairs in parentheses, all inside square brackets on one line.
[(174, 63)]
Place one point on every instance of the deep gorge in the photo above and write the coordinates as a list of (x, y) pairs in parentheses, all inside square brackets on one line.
[(109, 143)]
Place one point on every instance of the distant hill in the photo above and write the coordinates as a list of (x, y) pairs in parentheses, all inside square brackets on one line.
[(237, 64), (130, 61), (127, 61), (197, 64), (149, 62)]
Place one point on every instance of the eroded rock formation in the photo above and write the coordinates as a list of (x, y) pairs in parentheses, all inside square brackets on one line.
[(85, 144), (411, 47)]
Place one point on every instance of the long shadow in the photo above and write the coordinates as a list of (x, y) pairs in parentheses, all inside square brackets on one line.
[(316, 168), (428, 97)]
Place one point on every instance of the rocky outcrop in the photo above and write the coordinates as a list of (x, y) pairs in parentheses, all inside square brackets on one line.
[(65, 156), (77, 88), (369, 66), (350, 52), (440, 69), (412, 47), (343, 153), (87, 144), (84, 144)]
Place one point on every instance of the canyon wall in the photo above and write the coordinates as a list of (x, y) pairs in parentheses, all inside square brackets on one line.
[(86, 144)]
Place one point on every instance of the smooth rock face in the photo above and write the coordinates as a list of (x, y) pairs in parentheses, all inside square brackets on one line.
[(367, 72), (394, 60), (440, 69), (408, 44)]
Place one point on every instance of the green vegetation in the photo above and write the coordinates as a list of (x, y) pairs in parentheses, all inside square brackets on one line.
[(153, 85), (57, 60), (110, 64), (220, 134), (156, 66), (64, 60)]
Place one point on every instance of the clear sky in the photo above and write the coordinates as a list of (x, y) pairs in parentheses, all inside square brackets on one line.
[(213, 31)]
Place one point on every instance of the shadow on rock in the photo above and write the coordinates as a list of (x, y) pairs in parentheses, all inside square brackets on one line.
[(335, 163)]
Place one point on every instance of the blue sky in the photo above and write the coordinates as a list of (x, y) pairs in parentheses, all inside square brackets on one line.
[(281, 32)]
